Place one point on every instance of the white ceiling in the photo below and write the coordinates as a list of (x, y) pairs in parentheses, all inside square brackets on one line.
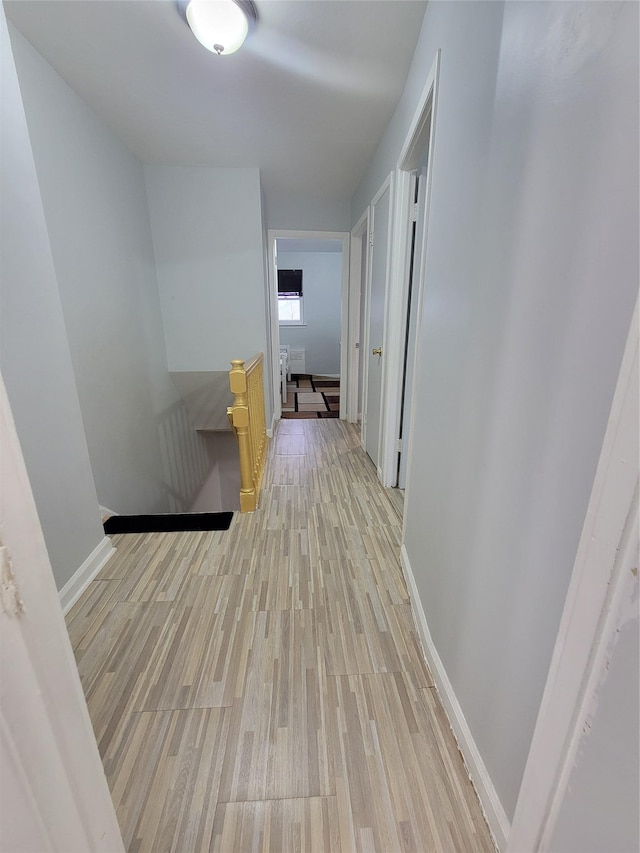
[(306, 99)]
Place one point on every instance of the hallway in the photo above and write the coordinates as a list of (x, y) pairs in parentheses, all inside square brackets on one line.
[(263, 688)]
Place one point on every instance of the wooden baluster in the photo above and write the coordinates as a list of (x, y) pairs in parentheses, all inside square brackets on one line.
[(247, 417), (240, 417)]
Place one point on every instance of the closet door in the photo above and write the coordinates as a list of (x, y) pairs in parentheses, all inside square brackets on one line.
[(378, 280)]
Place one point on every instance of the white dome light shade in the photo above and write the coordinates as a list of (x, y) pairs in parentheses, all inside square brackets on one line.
[(220, 25)]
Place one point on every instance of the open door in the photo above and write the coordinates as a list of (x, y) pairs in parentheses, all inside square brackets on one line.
[(375, 321), (414, 306), (412, 193)]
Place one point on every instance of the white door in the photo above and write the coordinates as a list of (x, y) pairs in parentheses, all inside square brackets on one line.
[(54, 794), (414, 303), (379, 266)]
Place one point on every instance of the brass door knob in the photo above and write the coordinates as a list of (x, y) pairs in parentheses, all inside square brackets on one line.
[(377, 351)]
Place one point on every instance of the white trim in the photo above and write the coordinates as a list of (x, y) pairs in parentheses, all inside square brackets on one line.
[(358, 233), (494, 812), (417, 138), (81, 579), (105, 512), (274, 234), (583, 632), (274, 336), (364, 337), (344, 327)]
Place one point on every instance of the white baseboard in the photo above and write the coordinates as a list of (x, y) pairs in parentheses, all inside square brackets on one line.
[(490, 801), (271, 429), (77, 584)]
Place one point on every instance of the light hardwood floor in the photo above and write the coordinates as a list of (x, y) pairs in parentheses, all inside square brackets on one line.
[(262, 688)]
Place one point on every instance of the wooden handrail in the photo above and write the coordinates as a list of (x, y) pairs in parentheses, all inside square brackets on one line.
[(247, 418)]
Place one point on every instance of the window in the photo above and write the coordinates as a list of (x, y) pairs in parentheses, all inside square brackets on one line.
[(290, 298)]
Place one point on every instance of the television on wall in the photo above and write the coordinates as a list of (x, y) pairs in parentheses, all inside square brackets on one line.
[(290, 282)]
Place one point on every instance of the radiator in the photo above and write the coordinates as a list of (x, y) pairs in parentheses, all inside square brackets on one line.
[(297, 361)]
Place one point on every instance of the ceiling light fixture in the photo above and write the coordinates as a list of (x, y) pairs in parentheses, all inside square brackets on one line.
[(221, 25)]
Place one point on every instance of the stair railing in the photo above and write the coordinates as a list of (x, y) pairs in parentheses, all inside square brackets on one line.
[(247, 419)]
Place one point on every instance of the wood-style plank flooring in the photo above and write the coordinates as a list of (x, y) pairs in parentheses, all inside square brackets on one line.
[(263, 688)]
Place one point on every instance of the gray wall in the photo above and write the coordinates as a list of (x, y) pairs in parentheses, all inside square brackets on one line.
[(35, 360), (208, 243), (307, 214), (207, 237), (532, 273), (144, 452), (600, 811), (322, 295)]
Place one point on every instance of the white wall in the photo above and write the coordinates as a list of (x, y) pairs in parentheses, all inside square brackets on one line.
[(140, 441), (322, 298), (35, 359), (601, 809), (307, 214), (208, 243), (532, 270)]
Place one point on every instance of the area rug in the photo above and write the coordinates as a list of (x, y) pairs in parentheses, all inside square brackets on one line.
[(310, 396), (168, 523)]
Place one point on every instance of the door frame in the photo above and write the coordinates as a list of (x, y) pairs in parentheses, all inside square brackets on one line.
[(274, 234), (387, 185), (359, 233), (589, 619), (54, 794), (421, 133)]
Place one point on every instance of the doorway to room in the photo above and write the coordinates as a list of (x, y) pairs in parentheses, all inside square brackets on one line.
[(308, 289)]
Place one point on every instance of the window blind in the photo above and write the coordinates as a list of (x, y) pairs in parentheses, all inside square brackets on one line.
[(289, 282)]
